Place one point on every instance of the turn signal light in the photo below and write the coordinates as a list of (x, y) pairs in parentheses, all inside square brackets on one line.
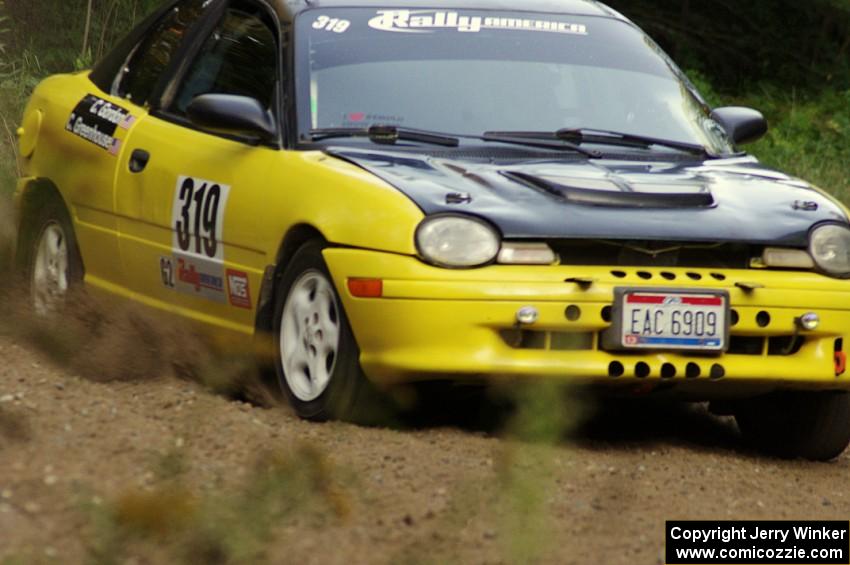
[(526, 254), (366, 288), (787, 258)]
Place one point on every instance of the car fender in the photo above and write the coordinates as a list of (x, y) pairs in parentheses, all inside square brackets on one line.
[(340, 201)]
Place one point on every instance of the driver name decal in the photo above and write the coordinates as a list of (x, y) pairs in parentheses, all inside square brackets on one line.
[(428, 21), (96, 120)]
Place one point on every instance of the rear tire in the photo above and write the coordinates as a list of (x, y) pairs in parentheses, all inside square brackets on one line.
[(317, 359), (49, 257), (808, 425)]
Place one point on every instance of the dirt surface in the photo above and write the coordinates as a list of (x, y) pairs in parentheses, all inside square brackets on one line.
[(161, 471)]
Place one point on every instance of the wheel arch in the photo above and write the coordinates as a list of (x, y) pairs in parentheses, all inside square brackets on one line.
[(297, 236), (34, 195)]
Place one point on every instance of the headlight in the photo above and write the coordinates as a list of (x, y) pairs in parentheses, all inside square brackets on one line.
[(457, 241), (829, 245)]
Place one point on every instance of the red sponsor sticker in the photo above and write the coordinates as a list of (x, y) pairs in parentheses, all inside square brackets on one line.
[(187, 273), (239, 289), (357, 116)]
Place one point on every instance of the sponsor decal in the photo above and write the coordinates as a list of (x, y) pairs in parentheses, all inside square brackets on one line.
[(360, 118), (428, 21), (196, 277), (96, 120), (238, 287), (192, 275), (166, 270)]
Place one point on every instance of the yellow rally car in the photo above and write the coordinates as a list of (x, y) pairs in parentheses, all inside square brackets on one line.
[(398, 193)]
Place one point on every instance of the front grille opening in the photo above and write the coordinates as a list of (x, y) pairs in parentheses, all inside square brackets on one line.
[(745, 345), (657, 254), (785, 345), (756, 346), (524, 339), (554, 341), (562, 341)]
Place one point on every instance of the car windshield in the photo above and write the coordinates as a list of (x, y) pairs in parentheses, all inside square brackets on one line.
[(468, 72)]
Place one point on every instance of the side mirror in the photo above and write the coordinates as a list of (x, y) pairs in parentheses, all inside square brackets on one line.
[(234, 115), (742, 125)]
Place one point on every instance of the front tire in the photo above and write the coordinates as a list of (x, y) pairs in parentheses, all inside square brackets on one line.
[(808, 425), (317, 357)]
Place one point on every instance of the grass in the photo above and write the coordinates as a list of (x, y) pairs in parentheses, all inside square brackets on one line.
[(174, 524), (810, 137), (809, 134)]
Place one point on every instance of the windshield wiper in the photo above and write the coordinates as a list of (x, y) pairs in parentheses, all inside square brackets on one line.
[(603, 137), (591, 135), (387, 135), (537, 139)]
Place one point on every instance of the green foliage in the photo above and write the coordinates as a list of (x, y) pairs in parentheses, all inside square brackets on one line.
[(57, 30), (809, 133), (782, 42), (810, 136)]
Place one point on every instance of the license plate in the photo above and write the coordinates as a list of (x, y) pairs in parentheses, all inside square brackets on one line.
[(673, 319)]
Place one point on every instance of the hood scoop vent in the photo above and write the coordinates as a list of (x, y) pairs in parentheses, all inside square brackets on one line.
[(616, 193)]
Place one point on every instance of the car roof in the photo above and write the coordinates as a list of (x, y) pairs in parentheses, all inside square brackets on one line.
[(288, 9)]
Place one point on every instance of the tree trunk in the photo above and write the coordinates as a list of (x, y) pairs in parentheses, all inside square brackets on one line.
[(87, 30)]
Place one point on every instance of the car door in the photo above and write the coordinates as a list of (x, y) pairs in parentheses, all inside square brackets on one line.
[(188, 196), (97, 129), (94, 126)]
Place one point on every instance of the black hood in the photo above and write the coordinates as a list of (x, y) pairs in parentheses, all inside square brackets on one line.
[(727, 200)]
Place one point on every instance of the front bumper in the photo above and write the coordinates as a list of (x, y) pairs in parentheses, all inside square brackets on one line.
[(438, 323)]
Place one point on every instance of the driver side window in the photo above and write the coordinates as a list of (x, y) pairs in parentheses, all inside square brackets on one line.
[(150, 59), (239, 57)]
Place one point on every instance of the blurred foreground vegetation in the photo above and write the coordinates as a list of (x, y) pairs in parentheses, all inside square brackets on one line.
[(784, 57)]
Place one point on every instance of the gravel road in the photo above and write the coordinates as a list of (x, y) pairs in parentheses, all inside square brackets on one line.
[(160, 470)]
